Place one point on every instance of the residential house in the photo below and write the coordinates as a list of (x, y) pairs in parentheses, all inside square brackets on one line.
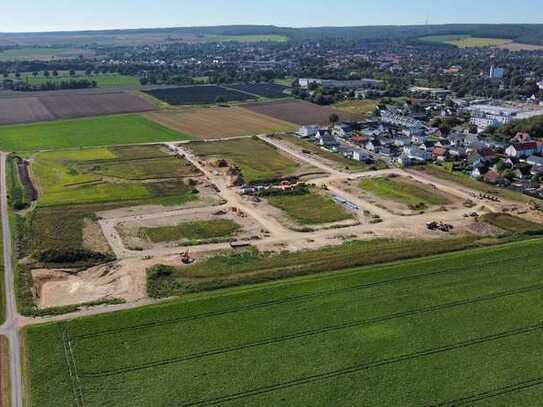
[(308, 131), (492, 177), (360, 139), (522, 150), (402, 141), (521, 138), (329, 142), (440, 154), (342, 130)]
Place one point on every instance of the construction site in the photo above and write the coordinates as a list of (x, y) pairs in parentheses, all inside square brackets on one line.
[(309, 206)]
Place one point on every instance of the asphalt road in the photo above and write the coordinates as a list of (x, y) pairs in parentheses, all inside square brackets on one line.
[(10, 328)]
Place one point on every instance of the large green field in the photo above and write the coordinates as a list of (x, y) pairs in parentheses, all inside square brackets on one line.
[(466, 41), (257, 160), (102, 80), (403, 191), (101, 131), (98, 175), (457, 329)]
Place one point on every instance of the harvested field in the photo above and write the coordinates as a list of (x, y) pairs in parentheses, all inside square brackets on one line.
[(301, 113), (218, 123), (49, 106), (265, 90), (455, 329), (198, 95)]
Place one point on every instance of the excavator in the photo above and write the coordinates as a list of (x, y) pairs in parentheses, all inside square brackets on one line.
[(186, 259)]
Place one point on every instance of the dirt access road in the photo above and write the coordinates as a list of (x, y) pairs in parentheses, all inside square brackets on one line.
[(10, 328), (281, 236)]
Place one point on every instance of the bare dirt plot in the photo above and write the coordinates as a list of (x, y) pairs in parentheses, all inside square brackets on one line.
[(23, 110), (132, 231), (217, 123), (301, 113), (72, 106)]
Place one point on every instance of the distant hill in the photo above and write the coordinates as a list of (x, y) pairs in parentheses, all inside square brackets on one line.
[(524, 33)]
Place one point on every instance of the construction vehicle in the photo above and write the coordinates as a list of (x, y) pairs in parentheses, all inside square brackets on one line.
[(440, 226), (186, 259)]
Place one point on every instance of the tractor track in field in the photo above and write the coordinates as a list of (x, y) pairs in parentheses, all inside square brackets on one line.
[(365, 366), (318, 331), (72, 367), (289, 300), (512, 388)]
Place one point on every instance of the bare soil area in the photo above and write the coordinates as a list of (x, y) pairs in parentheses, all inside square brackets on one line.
[(130, 230)]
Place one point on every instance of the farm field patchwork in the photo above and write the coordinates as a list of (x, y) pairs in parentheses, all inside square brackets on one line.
[(310, 208), (193, 231), (220, 122), (257, 160), (301, 113), (43, 106), (454, 328), (198, 95), (466, 41), (90, 132), (265, 90), (100, 175), (403, 191)]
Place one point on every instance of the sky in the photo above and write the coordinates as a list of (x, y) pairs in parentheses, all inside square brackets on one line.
[(60, 15)]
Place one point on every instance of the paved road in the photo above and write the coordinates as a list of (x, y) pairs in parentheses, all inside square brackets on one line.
[(10, 328)]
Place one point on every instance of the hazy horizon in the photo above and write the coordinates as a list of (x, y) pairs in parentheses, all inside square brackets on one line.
[(71, 15)]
